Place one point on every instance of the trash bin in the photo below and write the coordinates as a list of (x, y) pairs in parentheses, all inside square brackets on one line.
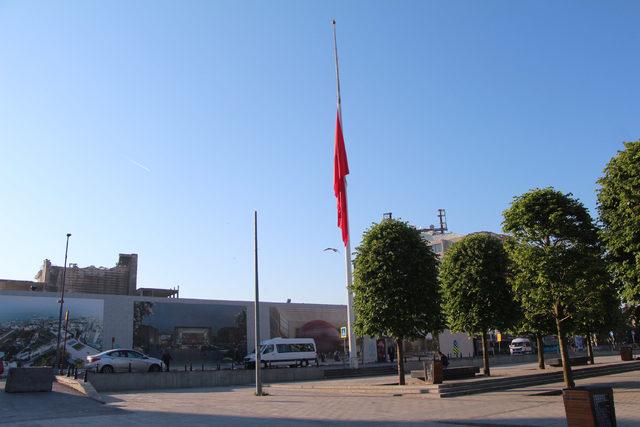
[(626, 353), (589, 407)]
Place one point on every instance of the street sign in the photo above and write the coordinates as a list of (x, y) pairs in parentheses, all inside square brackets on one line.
[(499, 337), (456, 349), (343, 332)]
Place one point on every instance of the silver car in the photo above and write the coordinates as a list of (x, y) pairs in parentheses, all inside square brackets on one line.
[(122, 360)]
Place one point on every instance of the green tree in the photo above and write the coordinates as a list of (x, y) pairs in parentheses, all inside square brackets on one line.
[(553, 249), (476, 295), (619, 208), (395, 287)]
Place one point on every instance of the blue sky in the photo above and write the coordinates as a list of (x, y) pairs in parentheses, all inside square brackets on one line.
[(158, 127)]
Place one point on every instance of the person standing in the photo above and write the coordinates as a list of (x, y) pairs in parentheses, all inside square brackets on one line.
[(444, 359), (166, 359)]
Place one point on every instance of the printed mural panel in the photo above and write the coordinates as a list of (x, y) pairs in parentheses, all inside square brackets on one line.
[(321, 324), (191, 333), (29, 328)]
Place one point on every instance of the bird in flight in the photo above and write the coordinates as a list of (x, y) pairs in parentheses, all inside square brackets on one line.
[(330, 249)]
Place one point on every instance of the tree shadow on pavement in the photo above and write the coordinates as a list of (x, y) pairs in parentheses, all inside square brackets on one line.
[(520, 422), (22, 407)]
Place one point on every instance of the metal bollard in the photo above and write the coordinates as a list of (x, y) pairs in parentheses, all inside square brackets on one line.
[(190, 366), (129, 367), (75, 373), (97, 368), (86, 374)]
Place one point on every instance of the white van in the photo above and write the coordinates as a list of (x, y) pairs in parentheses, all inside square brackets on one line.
[(520, 346), (284, 351)]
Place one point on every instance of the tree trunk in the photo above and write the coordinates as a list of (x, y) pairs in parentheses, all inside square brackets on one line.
[(590, 348), (485, 354), (564, 355), (400, 361), (540, 346)]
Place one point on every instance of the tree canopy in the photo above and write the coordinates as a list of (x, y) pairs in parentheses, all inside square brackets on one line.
[(619, 209), (475, 292), (395, 287)]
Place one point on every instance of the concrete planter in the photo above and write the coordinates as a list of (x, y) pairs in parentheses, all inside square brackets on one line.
[(27, 380)]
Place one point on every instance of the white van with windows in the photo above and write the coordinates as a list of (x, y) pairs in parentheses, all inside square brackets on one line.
[(520, 346), (284, 351)]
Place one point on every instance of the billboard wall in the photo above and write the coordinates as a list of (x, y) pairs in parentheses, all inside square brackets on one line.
[(191, 333), (29, 328)]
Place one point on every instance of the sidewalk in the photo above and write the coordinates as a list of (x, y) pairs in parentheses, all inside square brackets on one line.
[(306, 406)]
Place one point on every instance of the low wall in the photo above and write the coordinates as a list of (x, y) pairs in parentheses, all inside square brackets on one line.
[(194, 379), (503, 359)]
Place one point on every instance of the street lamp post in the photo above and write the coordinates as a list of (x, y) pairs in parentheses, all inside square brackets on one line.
[(257, 306), (64, 274)]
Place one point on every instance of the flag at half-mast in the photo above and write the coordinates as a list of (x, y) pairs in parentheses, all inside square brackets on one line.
[(340, 172)]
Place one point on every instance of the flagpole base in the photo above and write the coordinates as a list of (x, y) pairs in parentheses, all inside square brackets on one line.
[(353, 363)]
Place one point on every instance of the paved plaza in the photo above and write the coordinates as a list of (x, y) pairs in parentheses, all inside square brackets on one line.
[(338, 402)]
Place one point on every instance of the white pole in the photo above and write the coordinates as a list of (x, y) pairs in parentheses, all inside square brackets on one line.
[(351, 318)]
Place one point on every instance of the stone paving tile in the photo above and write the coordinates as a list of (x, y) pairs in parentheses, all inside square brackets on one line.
[(314, 407)]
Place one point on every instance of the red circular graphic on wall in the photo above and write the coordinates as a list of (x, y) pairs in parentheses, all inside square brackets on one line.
[(326, 335)]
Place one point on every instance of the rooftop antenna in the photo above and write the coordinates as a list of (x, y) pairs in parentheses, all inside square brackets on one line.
[(443, 221)]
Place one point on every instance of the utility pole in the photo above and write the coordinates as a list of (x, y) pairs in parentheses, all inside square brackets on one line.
[(64, 276), (257, 306)]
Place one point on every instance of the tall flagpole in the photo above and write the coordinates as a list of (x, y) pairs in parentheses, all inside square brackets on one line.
[(351, 318)]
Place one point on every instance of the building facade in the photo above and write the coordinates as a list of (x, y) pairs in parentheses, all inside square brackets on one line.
[(121, 279)]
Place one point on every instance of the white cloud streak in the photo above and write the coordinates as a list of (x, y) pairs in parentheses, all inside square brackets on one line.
[(140, 165)]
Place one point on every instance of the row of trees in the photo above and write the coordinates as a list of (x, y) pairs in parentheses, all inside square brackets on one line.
[(556, 272)]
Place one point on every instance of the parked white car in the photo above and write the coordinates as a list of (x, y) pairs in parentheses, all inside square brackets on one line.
[(520, 346), (120, 359), (284, 351)]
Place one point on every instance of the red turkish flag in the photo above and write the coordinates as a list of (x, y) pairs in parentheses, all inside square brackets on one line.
[(340, 171)]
